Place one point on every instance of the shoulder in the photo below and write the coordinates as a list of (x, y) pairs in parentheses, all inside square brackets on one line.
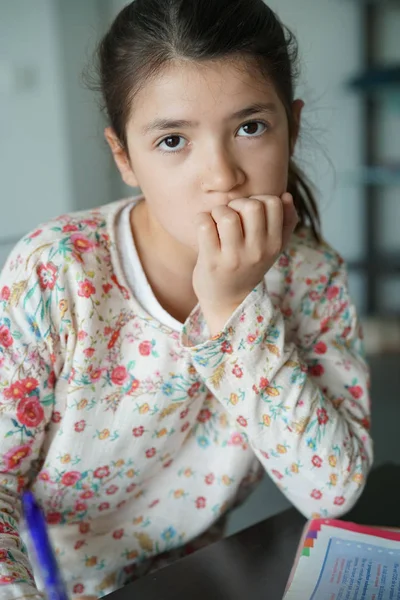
[(309, 262), (60, 253), (307, 255), (67, 238)]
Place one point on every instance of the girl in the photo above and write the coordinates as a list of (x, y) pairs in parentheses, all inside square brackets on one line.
[(157, 355)]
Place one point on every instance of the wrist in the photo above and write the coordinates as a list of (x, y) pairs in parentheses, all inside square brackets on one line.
[(216, 318)]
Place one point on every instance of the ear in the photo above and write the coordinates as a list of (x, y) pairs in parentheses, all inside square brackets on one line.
[(121, 158), (297, 108)]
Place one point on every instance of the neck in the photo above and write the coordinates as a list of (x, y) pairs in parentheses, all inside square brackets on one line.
[(172, 258)]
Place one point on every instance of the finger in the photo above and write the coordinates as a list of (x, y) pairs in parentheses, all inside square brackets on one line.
[(274, 214), (290, 218), (207, 235), (253, 218), (229, 227)]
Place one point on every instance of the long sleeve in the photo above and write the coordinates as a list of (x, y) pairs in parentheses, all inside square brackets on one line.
[(28, 365), (296, 383)]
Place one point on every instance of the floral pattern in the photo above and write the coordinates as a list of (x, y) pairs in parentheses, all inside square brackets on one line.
[(136, 438)]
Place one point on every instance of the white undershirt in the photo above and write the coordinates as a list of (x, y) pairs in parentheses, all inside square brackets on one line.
[(135, 274)]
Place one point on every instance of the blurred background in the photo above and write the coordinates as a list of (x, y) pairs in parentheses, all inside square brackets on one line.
[(53, 157)]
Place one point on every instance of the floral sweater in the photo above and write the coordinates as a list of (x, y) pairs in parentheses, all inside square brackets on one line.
[(135, 438)]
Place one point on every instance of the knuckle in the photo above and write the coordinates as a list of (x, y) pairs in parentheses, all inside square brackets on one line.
[(254, 206)]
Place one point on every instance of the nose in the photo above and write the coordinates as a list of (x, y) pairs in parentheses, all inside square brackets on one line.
[(221, 173)]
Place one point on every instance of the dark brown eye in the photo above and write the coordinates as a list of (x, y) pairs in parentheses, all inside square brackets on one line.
[(253, 129), (173, 141)]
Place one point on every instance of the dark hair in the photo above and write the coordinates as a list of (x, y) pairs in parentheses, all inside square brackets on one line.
[(147, 34)]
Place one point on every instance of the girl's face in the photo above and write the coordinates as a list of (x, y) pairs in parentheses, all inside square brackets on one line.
[(203, 135)]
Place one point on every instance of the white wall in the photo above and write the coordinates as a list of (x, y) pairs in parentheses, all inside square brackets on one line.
[(35, 182)]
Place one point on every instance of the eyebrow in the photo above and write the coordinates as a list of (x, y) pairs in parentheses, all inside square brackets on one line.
[(168, 124)]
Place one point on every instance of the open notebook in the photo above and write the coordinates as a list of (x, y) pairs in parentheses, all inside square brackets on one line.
[(343, 561)]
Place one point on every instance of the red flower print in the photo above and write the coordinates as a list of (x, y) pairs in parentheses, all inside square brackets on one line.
[(201, 502), (80, 506), (35, 233), (209, 479), (70, 478), (316, 494), (251, 338), (79, 588), (44, 476), (130, 488), (332, 292), (114, 339), (47, 274), (78, 545), (69, 228), (226, 348), (80, 426), (314, 296), (138, 431), (316, 370), (185, 426), (102, 472), (96, 374), (90, 223), (194, 388), (86, 289), (119, 375), (29, 384), (104, 506), (56, 416), (6, 339), (5, 293), (320, 348), (356, 391), (242, 421), (237, 371), (145, 348), (3, 555), (107, 287), (184, 413), (111, 490), (135, 385), (53, 518), (30, 412), (283, 261), (150, 453), (339, 500), (87, 494), (236, 439), (204, 415), (88, 352), (81, 243), (15, 456), (51, 381), (264, 383), (82, 335), (277, 474), (117, 535), (84, 528), (260, 319), (154, 503), (322, 416), (121, 504), (15, 391), (316, 461), (168, 463)]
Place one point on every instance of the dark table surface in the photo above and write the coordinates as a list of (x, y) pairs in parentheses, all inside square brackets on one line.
[(255, 563)]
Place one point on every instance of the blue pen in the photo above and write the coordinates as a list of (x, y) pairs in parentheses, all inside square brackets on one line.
[(49, 569)]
